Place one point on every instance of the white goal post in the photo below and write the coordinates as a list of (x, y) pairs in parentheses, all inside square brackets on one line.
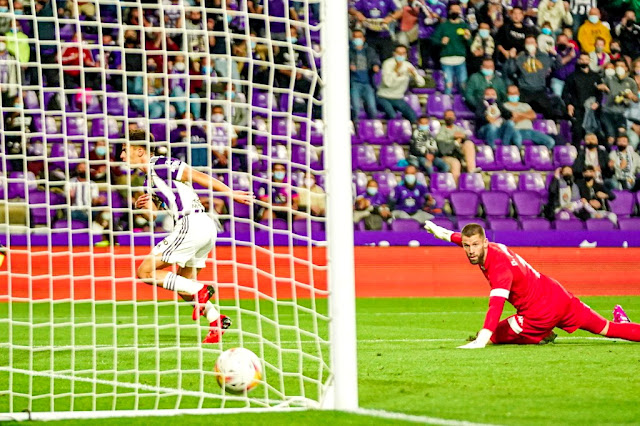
[(80, 336)]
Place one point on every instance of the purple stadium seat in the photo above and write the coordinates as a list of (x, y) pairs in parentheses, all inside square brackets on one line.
[(503, 181), (496, 203), (390, 156), (569, 225), (624, 204), (465, 203), (360, 180), (444, 222), (485, 158), (462, 222), (414, 102), (257, 165), (528, 204), (535, 224), (74, 224), (386, 182), (406, 225), (112, 131), (298, 105), (240, 182), (532, 181), (60, 154), (502, 224), (372, 131), (159, 131), (461, 109), (600, 225), (299, 155), (280, 224), (509, 157), (537, 157), (116, 104), (443, 183), (629, 224), (39, 208), (564, 155), (284, 127), (472, 182), (75, 126), (364, 158), (399, 131), (315, 130), (301, 227), (264, 101), (278, 152), (548, 127), (31, 100), (437, 104)]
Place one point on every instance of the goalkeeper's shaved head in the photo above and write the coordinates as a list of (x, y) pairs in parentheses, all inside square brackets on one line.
[(473, 229)]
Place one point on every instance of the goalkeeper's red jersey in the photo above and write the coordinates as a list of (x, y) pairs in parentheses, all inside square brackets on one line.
[(534, 295)]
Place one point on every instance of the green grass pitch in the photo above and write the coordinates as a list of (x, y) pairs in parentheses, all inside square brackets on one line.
[(407, 356)]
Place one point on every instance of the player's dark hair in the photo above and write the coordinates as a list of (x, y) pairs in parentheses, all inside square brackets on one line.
[(139, 138), (472, 229)]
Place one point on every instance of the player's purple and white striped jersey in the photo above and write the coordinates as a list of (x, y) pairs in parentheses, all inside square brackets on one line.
[(164, 181)]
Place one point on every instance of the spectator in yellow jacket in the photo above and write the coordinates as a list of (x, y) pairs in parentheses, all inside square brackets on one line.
[(591, 30)]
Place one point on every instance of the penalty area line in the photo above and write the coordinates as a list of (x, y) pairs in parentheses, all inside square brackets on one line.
[(414, 418)]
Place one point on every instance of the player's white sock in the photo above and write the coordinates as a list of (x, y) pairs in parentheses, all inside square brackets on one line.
[(180, 284), (211, 312)]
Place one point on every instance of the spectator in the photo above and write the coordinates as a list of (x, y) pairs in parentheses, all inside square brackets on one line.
[(83, 195), (277, 195), (595, 156), (278, 9), (633, 132), (568, 55), (410, 199), (396, 75), (157, 41), (48, 45), (239, 112), (593, 28), (621, 91), (151, 103), (566, 199), (615, 53), (546, 40), (511, 37), (454, 146), (469, 14), (494, 12), (178, 89), (376, 16), (492, 124), (311, 198), (9, 69), (363, 62), (430, 14), (184, 136), (531, 70), (98, 162), (423, 151), (298, 65), (454, 37), (628, 32), (372, 208), (222, 137), (5, 16), (482, 47), (76, 8), (596, 195), (522, 116), (72, 63), (480, 81), (195, 32), (598, 57), (580, 11), (556, 13), (580, 87), (625, 163), (110, 58)]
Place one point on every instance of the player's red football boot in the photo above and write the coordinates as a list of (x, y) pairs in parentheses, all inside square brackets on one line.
[(201, 298), (217, 329), (619, 315)]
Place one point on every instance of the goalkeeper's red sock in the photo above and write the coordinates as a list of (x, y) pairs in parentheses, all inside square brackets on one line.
[(625, 330)]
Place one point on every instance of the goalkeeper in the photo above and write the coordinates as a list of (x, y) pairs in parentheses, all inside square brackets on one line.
[(194, 234), (541, 302)]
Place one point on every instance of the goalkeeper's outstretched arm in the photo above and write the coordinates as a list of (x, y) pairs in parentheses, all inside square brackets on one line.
[(443, 233)]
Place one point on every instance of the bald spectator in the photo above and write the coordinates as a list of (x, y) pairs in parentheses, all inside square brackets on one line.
[(591, 30), (410, 199)]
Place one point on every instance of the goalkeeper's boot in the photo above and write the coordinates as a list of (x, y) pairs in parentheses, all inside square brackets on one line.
[(550, 338), (217, 329), (619, 315), (201, 299)]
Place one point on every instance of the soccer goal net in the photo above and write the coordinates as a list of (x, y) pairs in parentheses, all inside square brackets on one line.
[(234, 90)]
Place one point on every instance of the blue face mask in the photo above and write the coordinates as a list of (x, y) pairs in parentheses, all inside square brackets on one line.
[(229, 18), (400, 58), (279, 175), (253, 45), (18, 11), (594, 19), (4, 9), (294, 40), (410, 179), (513, 98), (433, 1), (423, 127), (357, 42), (101, 150), (372, 190), (486, 72), (484, 33), (231, 94), (546, 31), (206, 70)]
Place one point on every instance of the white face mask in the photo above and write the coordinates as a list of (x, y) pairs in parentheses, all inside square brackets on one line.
[(217, 118), (609, 72), (3, 46), (309, 182), (104, 216), (141, 221), (621, 72), (531, 48), (179, 66)]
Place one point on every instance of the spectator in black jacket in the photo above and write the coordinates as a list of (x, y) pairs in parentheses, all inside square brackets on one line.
[(493, 121), (363, 63), (628, 32), (423, 152), (597, 196), (510, 38), (581, 86), (594, 156)]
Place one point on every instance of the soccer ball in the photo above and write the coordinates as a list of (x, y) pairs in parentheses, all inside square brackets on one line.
[(238, 370)]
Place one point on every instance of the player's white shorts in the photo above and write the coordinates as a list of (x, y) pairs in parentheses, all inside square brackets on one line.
[(190, 242)]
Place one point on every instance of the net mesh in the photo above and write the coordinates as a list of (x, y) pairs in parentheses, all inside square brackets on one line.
[(231, 89)]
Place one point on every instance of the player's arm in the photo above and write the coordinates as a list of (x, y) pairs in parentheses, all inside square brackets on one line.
[(443, 233), (500, 285), (190, 175), (145, 202)]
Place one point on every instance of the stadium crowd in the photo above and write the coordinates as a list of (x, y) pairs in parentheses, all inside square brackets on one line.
[(447, 99)]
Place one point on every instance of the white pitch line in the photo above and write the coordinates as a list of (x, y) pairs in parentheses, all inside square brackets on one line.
[(415, 418)]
